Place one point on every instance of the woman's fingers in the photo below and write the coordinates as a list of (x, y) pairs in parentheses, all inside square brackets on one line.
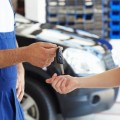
[(54, 82), (48, 81), (58, 85), (64, 87), (51, 79)]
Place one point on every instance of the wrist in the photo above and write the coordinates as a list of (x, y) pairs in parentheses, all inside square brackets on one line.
[(23, 54), (29, 53), (79, 82)]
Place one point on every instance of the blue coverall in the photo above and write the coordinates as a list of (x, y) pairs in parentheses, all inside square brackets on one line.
[(10, 108)]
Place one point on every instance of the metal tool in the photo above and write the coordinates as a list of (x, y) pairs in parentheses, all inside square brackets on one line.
[(60, 59)]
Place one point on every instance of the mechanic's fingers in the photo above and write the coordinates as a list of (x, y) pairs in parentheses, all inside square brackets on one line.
[(17, 84), (21, 95), (52, 52), (47, 45), (19, 91), (50, 80), (49, 61)]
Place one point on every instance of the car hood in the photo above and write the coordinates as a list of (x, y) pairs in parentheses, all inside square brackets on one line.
[(27, 28)]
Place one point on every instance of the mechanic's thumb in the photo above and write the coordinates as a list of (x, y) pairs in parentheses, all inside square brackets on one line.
[(48, 45)]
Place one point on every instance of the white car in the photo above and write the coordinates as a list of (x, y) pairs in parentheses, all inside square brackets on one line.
[(84, 54)]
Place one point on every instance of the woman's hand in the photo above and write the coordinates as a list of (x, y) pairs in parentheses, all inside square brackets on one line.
[(63, 84)]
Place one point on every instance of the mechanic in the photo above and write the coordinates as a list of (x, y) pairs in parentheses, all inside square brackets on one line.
[(66, 83), (11, 68)]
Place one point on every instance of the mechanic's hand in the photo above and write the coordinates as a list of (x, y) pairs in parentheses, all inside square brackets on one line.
[(63, 83), (20, 82), (41, 54)]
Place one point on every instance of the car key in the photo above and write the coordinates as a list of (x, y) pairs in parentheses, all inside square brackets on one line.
[(60, 59)]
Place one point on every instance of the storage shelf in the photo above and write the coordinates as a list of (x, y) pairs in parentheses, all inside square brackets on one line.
[(111, 19), (81, 14)]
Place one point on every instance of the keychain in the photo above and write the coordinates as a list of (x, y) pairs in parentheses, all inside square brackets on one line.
[(60, 59)]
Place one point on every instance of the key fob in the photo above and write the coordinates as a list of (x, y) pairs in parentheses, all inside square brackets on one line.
[(59, 56), (60, 59)]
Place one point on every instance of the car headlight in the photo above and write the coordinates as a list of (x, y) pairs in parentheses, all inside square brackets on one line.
[(83, 62)]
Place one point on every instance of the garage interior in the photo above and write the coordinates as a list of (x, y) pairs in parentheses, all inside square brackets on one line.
[(67, 22)]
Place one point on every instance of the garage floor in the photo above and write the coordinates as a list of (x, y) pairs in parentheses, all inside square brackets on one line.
[(114, 112)]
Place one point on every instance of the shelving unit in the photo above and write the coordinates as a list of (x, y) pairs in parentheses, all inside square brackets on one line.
[(82, 14), (111, 19), (101, 17)]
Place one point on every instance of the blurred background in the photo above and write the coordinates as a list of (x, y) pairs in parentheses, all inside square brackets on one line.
[(89, 32)]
